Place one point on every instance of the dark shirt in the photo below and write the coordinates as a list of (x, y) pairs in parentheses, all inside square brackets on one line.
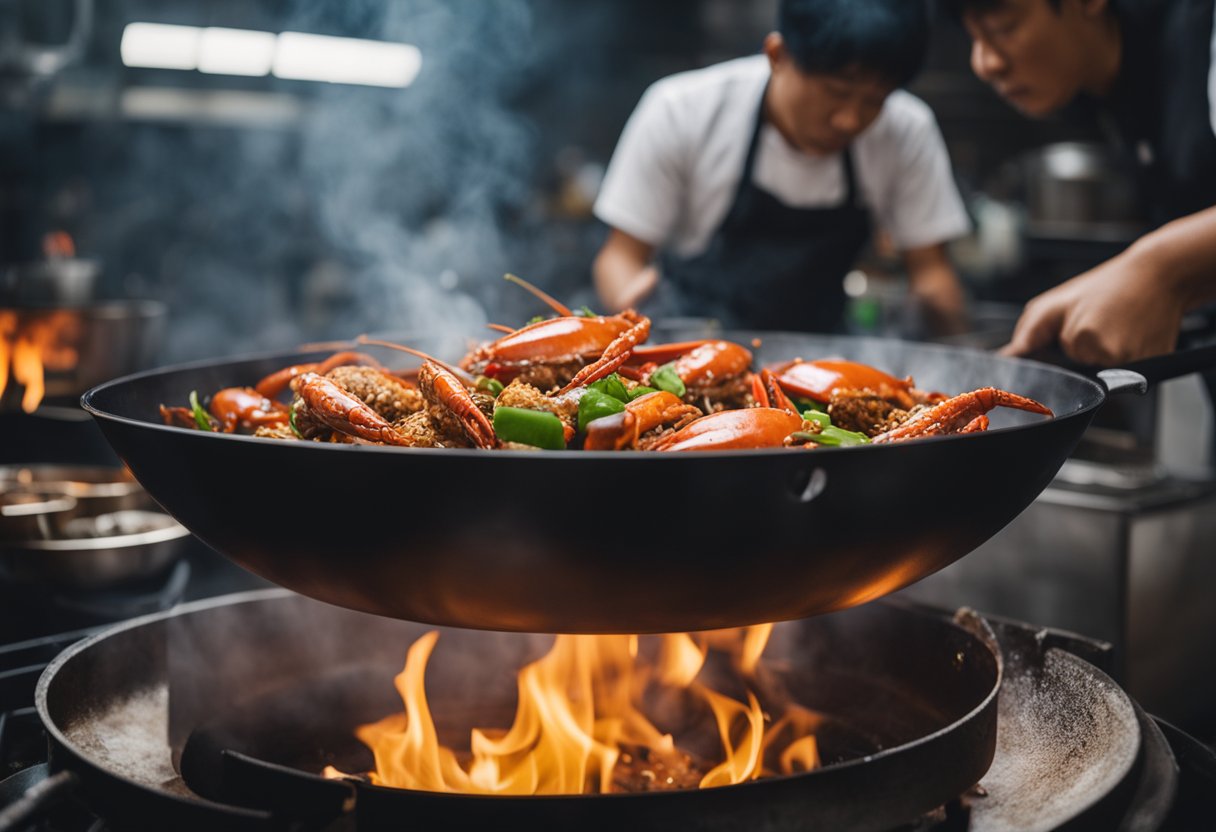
[(1161, 105)]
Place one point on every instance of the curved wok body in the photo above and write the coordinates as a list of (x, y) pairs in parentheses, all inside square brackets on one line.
[(604, 542)]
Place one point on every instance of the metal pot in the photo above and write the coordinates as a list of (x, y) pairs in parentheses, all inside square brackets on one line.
[(1078, 189), (62, 282), (110, 339)]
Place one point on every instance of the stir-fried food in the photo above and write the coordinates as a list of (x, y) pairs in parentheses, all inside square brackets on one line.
[(590, 382)]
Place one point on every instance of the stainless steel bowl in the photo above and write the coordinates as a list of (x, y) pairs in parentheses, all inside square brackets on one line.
[(96, 489), (33, 515), (102, 552)]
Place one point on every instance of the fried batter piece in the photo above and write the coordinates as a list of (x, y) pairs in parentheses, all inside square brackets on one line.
[(521, 394), (276, 432), (384, 394), (549, 376), (864, 411), (417, 427), (731, 394), (310, 426)]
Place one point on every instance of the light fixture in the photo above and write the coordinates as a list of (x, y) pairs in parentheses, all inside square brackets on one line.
[(160, 46), (290, 55), (235, 51), (307, 57)]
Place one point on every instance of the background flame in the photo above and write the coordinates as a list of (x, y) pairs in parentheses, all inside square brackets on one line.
[(33, 343)]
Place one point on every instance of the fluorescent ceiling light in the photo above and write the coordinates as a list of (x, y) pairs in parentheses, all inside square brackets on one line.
[(291, 55), (235, 51), (306, 57), (160, 45)]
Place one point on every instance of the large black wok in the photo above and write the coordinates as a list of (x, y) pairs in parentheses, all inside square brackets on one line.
[(607, 542)]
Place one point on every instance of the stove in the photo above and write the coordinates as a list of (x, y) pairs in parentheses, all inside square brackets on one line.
[(1108, 764)]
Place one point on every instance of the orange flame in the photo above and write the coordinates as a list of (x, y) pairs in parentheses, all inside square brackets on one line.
[(580, 714), (33, 343)]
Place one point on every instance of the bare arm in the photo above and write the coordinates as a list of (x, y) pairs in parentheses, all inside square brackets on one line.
[(1131, 306), (933, 281), (624, 276)]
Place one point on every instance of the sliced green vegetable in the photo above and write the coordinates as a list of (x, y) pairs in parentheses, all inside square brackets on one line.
[(491, 385), (291, 420), (819, 418), (537, 428), (201, 417), (585, 312), (639, 391), (837, 437), (612, 386), (811, 404), (595, 405), (665, 378), (535, 319)]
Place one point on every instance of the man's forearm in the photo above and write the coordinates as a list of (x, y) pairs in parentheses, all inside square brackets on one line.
[(934, 283), (623, 280), (1182, 254)]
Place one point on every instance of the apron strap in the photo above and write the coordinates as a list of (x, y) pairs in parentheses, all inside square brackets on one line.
[(852, 193), (749, 161)]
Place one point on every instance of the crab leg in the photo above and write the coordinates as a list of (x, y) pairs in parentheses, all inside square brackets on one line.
[(443, 389), (329, 403), (277, 382), (615, 353), (960, 414), (977, 425), (768, 393)]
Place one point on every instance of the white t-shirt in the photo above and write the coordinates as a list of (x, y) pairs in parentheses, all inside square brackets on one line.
[(677, 166)]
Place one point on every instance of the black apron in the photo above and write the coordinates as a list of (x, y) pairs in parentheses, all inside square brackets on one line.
[(1159, 106), (771, 266), (1161, 115)]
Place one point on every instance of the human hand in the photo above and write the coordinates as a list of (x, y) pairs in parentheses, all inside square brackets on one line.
[(1123, 310)]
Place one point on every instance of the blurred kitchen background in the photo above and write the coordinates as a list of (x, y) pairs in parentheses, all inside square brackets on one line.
[(266, 209), (169, 194)]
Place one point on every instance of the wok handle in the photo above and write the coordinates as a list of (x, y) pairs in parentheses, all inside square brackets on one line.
[(37, 800), (1139, 375)]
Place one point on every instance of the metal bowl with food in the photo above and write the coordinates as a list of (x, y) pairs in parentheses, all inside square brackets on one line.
[(97, 552)]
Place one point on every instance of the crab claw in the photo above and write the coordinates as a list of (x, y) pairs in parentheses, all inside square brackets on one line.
[(960, 414), (622, 430)]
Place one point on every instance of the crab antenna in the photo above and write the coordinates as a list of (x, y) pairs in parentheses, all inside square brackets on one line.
[(500, 328), (375, 342), (552, 302)]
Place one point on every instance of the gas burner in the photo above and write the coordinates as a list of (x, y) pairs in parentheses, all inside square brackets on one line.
[(250, 728), (32, 611)]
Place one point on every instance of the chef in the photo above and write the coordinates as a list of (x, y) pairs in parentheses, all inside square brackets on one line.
[(1145, 67), (745, 191)]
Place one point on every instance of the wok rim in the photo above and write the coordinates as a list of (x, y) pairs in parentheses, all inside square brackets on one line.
[(87, 404), (275, 594)]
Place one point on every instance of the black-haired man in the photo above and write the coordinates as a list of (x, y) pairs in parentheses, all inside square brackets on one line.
[(1147, 66), (755, 180)]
